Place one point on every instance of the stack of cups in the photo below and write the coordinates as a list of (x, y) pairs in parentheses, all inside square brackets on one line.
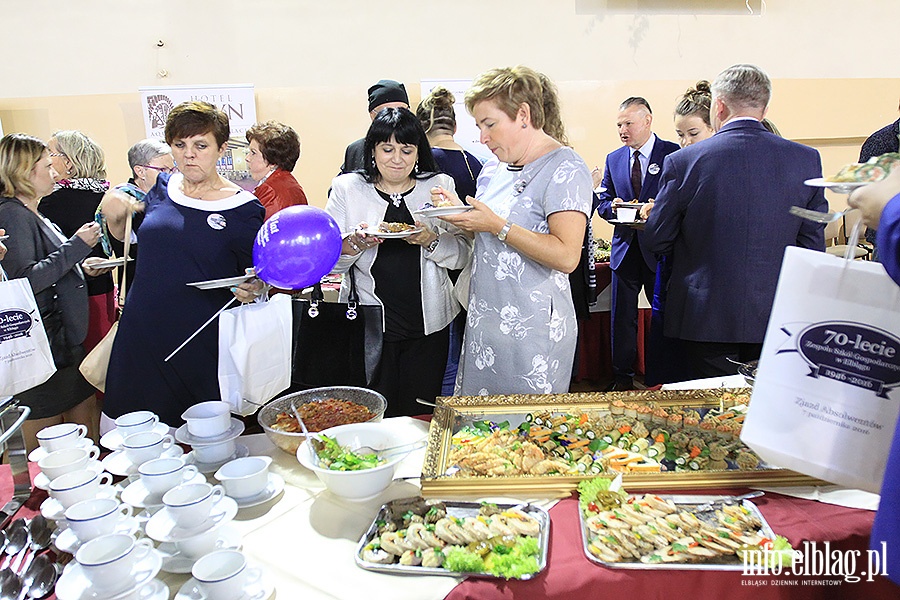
[(208, 427), (225, 575), (117, 565)]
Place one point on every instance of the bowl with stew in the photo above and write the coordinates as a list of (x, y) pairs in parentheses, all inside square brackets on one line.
[(321, 408)]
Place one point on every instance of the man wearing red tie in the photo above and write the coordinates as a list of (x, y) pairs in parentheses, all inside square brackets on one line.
[(631, 175)]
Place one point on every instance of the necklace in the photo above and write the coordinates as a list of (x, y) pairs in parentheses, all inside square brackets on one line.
[(396, 198)]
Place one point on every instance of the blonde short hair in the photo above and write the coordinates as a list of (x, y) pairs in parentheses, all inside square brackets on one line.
[(85, 155), (18, 155)]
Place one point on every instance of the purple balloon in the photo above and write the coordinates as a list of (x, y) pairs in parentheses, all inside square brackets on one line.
[(296, 247)]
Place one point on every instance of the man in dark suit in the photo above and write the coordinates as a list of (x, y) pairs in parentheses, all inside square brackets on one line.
[(631, 174), (722, 213), (387, 93)]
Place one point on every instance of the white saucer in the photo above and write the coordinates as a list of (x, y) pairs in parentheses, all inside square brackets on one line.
[(51, 508), (113, 439), (42, 482), (240, 452), (138, 496), (118, 462), (40, 452), (212, 284), (184, 436), (73, 584), (175, 562), (274, 487), (162, 527), (67, 541), (260, 588)]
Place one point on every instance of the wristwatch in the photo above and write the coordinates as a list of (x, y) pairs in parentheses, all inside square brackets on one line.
[(433, 245), (504, 231)]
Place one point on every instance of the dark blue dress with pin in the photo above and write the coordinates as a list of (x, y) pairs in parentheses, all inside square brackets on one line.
[(182, 240)]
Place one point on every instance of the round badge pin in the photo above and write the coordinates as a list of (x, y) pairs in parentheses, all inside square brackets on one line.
[(653, 169), (216, 221)]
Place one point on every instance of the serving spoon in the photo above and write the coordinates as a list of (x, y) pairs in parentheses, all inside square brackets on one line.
[(313, 451)]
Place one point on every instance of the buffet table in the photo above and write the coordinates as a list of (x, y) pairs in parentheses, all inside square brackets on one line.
[(305, 540)]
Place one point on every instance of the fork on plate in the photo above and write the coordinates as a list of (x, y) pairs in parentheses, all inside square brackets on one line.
[(816, 216)]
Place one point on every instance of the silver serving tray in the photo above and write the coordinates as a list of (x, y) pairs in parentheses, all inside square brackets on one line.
[(455, 509), (732, 562)]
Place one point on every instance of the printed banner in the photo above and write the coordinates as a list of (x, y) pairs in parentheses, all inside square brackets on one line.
[(236, 101)]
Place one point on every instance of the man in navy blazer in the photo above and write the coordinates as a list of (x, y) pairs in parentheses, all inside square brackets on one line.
[(631, 173), (722, 213)]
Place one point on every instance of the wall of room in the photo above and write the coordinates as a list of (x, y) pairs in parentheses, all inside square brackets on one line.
[(79, 65)]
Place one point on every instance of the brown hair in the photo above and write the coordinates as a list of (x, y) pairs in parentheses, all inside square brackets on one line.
[(696, 101), (19, 153), (510, 87), (279, 143), (197, 118), (436, 112)]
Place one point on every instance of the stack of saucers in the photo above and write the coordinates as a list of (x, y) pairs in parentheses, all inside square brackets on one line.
[(211, 432)]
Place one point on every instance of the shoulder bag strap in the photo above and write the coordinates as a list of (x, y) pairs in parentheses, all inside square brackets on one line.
[(127, 242), (353, 297)]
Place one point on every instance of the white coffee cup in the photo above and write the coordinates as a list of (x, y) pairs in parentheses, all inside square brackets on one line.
[(162, 474), (90, 519), (208, 419), (223, 575), (626, 215), (76, 486), (200, 545), (245, 477), (214, 453), (146, 445), (61, 436), (108, 561), (67, 460), (191, 503), (136, 422)]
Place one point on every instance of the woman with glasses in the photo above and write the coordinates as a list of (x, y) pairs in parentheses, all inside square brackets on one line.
[(272, 154), (55, 266), (81, 183)]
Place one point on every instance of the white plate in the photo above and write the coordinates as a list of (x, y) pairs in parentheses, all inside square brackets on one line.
[(841, 187), (112, 262), (184, 436), (42, 482), (162, 527), (51, 508), (629, 204), (258, 588), (386, 235), (228, 282), (138, 496), (40, 452), (67, 541), (440, 211), (113, 439), (118, 462), (240, 452), (274, 487), (73, 584), (626, 223), (174, 561)]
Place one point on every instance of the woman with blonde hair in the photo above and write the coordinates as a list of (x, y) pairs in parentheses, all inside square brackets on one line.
[(54, 265), (528, 219)]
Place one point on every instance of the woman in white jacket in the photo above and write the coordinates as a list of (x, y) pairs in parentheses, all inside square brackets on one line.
[(406, 275)]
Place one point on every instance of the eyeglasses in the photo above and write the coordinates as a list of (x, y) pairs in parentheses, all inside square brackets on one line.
[(169, 170)]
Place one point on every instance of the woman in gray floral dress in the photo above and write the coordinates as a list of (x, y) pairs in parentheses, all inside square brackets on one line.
[(529, 220)]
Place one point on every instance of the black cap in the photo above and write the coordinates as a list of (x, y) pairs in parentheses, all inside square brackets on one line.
[(387, 90)]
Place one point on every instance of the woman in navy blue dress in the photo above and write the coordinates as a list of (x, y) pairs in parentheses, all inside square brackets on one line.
[(197, 226)]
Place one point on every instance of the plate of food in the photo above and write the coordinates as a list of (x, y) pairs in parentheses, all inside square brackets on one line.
[(414, 536), (112, 262), (388, 230), (841, 187), (224, 282), (650, 531), (855, 175), (429, 210)]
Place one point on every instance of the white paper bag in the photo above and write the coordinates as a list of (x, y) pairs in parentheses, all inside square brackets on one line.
[(255, 353), (825, 400), (25, 358)]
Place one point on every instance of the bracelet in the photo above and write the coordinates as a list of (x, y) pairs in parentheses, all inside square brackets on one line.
[(504, 231)]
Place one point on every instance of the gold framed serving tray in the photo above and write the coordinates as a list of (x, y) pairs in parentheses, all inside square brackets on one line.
[(542, 445)]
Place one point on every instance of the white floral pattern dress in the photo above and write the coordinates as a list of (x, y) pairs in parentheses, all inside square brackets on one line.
[(521, 330)]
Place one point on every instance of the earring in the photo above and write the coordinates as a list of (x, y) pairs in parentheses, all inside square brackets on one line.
[(524, 125)]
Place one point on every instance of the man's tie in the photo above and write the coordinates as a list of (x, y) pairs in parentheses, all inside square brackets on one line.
[(636, 175)]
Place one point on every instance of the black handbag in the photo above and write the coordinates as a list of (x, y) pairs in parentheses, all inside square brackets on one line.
[(335, 343)]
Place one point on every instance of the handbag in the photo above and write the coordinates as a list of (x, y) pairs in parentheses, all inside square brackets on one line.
[(25, 357), (336, 343), (96, 363), (825, 398), (254, 353)]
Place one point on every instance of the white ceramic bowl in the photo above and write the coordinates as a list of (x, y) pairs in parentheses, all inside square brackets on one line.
[(356, 485)]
